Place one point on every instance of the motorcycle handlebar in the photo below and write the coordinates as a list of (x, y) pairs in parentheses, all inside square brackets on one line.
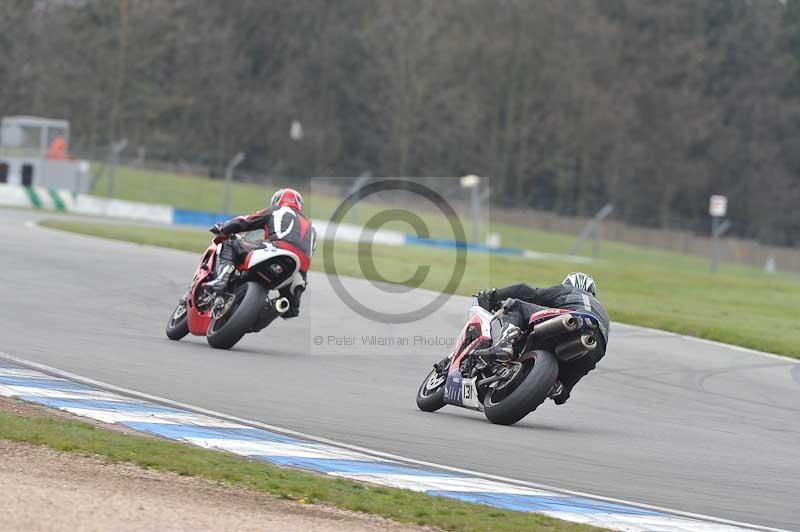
[(505, 305)]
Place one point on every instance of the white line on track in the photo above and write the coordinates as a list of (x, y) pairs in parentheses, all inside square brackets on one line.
[(156, 399)]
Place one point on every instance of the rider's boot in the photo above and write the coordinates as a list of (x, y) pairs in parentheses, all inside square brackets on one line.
[(504, 347), (555, 390), (558, 393), (220, 283)]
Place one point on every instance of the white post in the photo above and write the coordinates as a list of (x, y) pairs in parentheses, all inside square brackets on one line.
[(473, 183), (717, 208)]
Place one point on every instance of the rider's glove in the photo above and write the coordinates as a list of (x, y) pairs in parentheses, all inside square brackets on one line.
[(508, 304), (486, 298), (216, 229)]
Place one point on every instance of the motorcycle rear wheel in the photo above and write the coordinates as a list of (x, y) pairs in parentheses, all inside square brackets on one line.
[(430, 395), (224, 331), (178, 324), (542, 372)]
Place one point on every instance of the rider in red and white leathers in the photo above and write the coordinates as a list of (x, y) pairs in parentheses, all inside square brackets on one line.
[(285, 226)]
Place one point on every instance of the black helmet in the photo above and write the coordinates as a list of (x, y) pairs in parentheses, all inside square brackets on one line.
[(581, 281)]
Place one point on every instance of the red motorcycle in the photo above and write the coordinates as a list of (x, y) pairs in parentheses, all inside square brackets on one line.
[(246, 306), (507, 390)]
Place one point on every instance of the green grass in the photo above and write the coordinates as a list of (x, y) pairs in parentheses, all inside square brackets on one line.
[(203, 193), (738, 305), (180, 190), (188, 191), (401, 505)]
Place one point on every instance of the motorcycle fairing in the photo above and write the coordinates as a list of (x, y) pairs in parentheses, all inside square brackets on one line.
[(269, 251), (197, 320), (458, 390), (546, 314), (452, 388), (479, 323), (462, 392)]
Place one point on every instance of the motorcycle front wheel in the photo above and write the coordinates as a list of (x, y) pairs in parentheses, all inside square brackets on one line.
[(178, 324), (238, 318), (430, 396), (536, 378)]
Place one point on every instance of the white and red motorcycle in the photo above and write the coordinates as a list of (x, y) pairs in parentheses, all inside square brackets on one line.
[(250, 302), (506, 390)]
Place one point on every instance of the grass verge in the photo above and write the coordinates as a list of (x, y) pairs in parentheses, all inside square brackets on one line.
[(736, 306), (203, 193), (400, 505)]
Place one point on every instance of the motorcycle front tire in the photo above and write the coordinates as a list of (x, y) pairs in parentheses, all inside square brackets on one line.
[(431, 400), (178, 327)]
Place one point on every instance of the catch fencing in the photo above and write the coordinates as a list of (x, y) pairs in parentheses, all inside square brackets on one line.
[(731, 249)]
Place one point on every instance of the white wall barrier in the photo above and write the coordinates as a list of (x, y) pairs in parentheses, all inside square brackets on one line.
[(13, 196), (356, 233), (60, 200), (129, 210), (36, 197)]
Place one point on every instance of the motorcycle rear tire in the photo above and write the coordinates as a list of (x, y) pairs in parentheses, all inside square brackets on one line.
[(528, 395), (241, 322)]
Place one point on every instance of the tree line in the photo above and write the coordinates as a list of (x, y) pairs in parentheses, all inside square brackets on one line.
[(567, 105)]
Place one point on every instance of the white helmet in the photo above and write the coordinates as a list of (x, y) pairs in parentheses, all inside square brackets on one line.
[(581, 281)]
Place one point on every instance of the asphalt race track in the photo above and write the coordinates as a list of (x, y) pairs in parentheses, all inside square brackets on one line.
[(668, 421)]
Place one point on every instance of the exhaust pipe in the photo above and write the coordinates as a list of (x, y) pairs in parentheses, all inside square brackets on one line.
[(559, 325), (270, 312), (281, 305), (576, 347)]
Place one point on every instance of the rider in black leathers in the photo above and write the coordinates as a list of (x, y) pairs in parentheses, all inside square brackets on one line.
[(577, 292)]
